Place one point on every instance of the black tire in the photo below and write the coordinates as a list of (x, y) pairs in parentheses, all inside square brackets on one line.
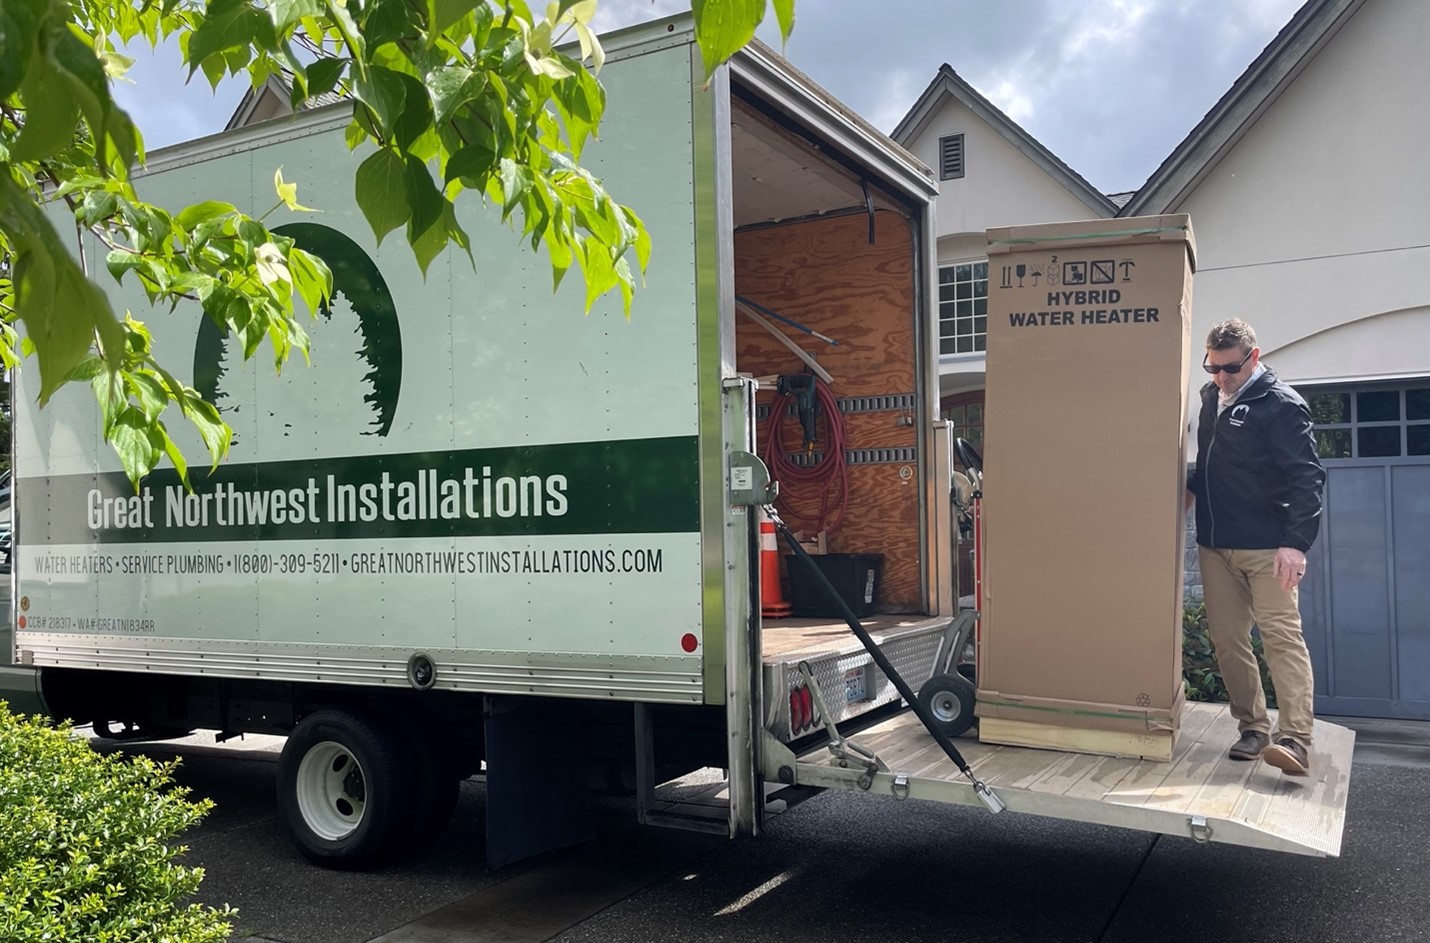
[(345, 789), (949, 699)]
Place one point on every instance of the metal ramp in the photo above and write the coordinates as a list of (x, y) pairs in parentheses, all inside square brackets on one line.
[(1200, 793)]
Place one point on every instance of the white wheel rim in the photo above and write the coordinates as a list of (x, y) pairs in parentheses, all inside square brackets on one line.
[(332, 791), (947, 706)]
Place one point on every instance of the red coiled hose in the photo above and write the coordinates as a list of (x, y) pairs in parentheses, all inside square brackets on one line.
[(830, 476)]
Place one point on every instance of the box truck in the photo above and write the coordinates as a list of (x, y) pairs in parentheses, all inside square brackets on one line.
[(484, 534)]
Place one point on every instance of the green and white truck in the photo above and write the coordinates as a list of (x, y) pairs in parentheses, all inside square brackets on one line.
[(485, 534)]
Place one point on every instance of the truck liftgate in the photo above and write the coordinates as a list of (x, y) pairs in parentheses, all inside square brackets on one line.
[(1201, 793)]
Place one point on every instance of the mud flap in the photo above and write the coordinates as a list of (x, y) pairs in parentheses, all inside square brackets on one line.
[(538, 790)]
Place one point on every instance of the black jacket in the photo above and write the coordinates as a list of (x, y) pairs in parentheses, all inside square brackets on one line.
[(1257, 480)]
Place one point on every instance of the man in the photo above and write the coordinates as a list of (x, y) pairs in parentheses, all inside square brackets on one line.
[(1257, 486)]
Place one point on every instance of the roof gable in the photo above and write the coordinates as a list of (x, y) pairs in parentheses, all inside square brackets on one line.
[(273, 99), (949, 84), (1254, 91)]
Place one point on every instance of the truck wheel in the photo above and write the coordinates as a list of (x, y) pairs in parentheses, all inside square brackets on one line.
[(949, 698), (343, 788)]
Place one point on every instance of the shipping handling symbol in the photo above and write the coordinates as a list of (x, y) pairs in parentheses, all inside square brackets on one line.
[(1127, 265)]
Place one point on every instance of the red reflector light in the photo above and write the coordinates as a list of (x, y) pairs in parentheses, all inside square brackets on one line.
[(807, 702), (796, 712), (689, 642)]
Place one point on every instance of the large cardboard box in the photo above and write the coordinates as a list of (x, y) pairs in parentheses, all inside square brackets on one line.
[(1085, 466)]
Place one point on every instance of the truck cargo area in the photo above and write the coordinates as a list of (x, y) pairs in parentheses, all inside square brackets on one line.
[(819, 247), (1201, 793)]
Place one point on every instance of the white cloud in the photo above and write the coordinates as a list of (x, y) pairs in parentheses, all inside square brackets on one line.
[(1103, 28), (1012, 100)]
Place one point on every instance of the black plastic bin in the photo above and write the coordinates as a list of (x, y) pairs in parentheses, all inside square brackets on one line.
[(855, 575)]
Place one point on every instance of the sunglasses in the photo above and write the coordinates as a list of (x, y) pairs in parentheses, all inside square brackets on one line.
[(1232, 368)]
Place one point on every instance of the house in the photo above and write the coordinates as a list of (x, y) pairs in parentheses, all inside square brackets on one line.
[(992, 173), (1308, 193)]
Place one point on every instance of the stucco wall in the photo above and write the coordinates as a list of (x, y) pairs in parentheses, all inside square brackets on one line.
[(1000, 187), (1316, 226)]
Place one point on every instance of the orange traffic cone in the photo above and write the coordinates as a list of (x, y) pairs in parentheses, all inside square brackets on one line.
[(773, 604)]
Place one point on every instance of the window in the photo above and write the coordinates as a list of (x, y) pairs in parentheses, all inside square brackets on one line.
[(963, 308), (950, 157), (1371, 423), (965, 410)]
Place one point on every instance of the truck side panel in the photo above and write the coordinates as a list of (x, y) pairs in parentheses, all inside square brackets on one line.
[(471, 468)]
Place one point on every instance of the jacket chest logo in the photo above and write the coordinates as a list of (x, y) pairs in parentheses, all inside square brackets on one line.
[(1239, 414)]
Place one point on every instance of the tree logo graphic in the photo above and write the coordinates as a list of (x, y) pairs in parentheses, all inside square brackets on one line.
[(356, 347)]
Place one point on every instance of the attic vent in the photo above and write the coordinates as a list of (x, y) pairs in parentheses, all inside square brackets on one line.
[(950, 157)]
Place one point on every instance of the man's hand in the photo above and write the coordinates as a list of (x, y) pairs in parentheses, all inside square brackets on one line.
[(1289, 567)]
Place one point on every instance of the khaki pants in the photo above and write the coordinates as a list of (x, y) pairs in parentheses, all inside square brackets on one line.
[(1239, 589)]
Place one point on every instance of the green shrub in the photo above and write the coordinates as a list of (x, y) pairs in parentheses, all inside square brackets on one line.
[(1200, 674), (85, 844)]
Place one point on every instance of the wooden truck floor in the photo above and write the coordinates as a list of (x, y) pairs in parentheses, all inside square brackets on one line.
[(789, 640), (1200, 793)]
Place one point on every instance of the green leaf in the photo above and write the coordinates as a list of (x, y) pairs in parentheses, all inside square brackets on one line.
[(424, 198), (119, 261), (784, 10), (207, 211), (311, 278), (642, 239), (129, 435), (445, 231), (515, 182), (383, 91), (87, 370), (50, 116), (382, 192), (415, 122), (74, 63), (384, 21), (723, 27), (444, 14), (63, 311), (324, 74), (600, 274), (19, 26), (150, 393), (108, 387), (228, 25), (352, 36), (285, 13), (175, 454), (473, 163), (452, 87), (356, 133)]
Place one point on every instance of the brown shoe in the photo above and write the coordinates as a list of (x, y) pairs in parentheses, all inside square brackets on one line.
[(1288, 756), (1249, 746)]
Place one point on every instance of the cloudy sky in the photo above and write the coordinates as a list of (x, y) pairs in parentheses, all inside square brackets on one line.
[(1110, 86)]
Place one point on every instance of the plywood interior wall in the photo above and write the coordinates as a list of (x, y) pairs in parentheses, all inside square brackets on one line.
[(824, 273)]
